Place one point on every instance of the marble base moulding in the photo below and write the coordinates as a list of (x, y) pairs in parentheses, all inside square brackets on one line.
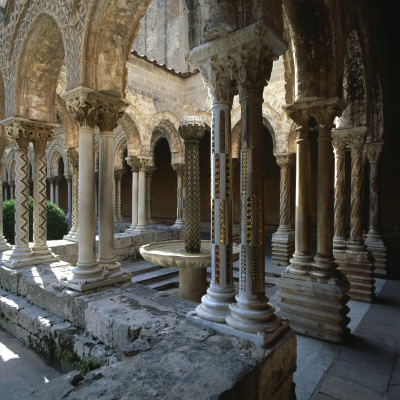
[(358, 267), (315, 306), (377, 247), (282, 247), (10, 260)]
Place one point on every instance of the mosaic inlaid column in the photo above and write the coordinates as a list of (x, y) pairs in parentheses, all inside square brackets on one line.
[(118, 205), (252, 312), (68, 178), (3, 242), (74, 160), (179, 168), (355, 242), (283, 239), (191, 130), (40, 250), (221, 293), (143, 165), (133, 162), (149, 171), (339, 145), (374, 240)]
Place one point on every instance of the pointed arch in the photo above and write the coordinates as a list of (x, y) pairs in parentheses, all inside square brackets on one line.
[(38, 69)]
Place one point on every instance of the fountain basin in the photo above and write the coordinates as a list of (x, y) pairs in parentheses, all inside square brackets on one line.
[(192, 266)]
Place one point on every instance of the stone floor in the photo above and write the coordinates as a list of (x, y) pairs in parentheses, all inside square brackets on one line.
[(368, 367)]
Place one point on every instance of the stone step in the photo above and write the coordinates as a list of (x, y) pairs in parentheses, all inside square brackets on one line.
[(140, 267), (169, 283), (155, 276)]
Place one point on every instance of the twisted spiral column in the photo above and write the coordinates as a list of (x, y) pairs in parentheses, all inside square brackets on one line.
[(3, 242), (21, 248), (73, 233), (339, 238), (356, 239), (192, 130), (40, 249), (286, 163)]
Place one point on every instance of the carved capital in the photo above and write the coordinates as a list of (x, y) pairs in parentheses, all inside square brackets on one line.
[(287, 160), (179, 168), (118, 173), (94, 107), (24, 130), (149, 170), (4, 142), (373, 152), (191, 128), (356, 140), (144, 163), (133, 162), (339, 143)]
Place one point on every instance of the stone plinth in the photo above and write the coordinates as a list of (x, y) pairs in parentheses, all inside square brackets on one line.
[(358, 267), (282, 247), (315, 306), (148, 338)]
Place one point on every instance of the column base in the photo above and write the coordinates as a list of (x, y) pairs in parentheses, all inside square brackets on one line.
[(315, 306), (358, 266), (339, 243), (179, 223), (4, 246), (84, 285), (265, 339), (215, 304), (112, 269), (282, 246), (16, 258), (376, 246), (300, 264), (72, 236), (131, 229), (141, 228), (253, 316)]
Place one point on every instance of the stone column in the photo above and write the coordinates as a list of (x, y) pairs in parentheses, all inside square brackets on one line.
[(107, 122), (57, 191), (3, 241), (12, 189), (252, 313), (374, 240), (191, 130), (221, 293), (339, 145), (283, 239), (149, 170), (179, 168), (74, 160), (133, 162), (143, 165), (6, 191), (118, 211), (68, 178), (52, 197), (40, 250), (90, 108), (313, 295), (356, 142), (302, 258)]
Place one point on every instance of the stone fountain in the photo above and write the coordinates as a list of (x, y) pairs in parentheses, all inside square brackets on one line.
[(192, 256)]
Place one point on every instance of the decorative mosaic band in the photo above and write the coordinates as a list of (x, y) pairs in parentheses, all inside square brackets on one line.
[(243, 268), (217, 252), (217, 181), (222, 224), (39, 200), (339, 231), (213, 135), (244, 173)]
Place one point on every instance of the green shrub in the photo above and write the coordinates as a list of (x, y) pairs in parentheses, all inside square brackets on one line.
[(57, 224)]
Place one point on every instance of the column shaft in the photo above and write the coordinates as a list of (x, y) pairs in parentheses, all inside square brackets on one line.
[(339, 239), (69, 182), (215, 304), (52, 190), (135, 187), (86, 269), (179, 169), (141, 225)]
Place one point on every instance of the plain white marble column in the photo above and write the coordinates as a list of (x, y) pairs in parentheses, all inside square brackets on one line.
[(87, 270), (57, 191), (69, 183), (106, 256), (52, 190), (132, 161), (141, 225), (179, 168)]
